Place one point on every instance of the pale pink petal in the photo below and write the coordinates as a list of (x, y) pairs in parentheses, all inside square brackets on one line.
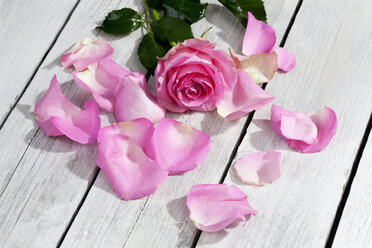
[(244, 98), (131, 172), (87, 52), (286, 60), (56, 115), (258, 168), (307, 133), (133, 100), (178, 147), (260, 67), (214, 206), (259, 37), (101, 79), (139, 131)]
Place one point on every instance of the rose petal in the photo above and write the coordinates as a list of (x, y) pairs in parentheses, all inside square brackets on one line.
[(259, 37), (260, 67), (56, 115), (87, 52), (101, 79), (215, 206), (258, 168), (177, 147), (286, 60), (298, 129), (133, 100), (245, 97), (139, 131), (131, 172)]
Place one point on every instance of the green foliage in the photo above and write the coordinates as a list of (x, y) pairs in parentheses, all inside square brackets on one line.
[(171, 29), (240, 9), (190, 10), (122, 21), (148, 52)]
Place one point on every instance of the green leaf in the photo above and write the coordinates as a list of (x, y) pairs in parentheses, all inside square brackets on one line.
[(171, 29), (122, 21), (152, 3), (240, 9), (148, 51), (191, 10)]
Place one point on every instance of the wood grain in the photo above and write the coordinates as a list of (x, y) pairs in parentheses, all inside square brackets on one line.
[(333, 49), (28, 29), (355, 227), (162, 220), (42, 179)]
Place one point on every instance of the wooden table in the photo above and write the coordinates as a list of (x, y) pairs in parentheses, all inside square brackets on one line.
[(52, 193)]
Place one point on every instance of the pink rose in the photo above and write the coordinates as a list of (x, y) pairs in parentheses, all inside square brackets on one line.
[(195, 76)]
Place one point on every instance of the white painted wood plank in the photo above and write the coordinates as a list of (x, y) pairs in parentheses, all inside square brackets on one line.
[(355, 227), (333, 49), (43, 180), (28, 28), (161, 220)]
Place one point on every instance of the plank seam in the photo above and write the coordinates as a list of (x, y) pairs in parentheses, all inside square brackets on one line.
[(349, 183), (250, 116), (82, 200), (18, 98)]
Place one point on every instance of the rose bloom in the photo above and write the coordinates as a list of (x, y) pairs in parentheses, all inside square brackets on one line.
[(195, 76)]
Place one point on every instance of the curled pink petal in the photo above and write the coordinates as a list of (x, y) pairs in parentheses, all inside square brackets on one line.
[(139, 131), (260, 67), (131, 172), (259, 37), (258, 168), (307, 133), (244, 98), (178, 147), (133, 100), (214, 206), (56, 115), (87, 52), (286, 60), (101, 79)]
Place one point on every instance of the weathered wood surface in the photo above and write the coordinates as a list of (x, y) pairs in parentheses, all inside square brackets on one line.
[(161, 220), (355, 227), (333, 50), (28, 29), (42, 179)]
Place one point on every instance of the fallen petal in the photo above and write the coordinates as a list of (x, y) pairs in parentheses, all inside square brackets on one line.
[(56, 115), (286, 60), (133, 100), (259, 37), (139, 131), (101, 79), (244, 98), (214, 206), (178, 147), (131, 172), (307, 133), (87, 52), (258, 168)]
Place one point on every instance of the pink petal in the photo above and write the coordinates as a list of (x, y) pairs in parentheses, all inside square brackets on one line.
[(177, 147), (133, 100), (131, 172), (259, 37), (101, 79), (244, 98), (56, 115), (260, 67), (258, 168), (139, 131), (286, 60), (215, 206), (87, 52), (307, 133)]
